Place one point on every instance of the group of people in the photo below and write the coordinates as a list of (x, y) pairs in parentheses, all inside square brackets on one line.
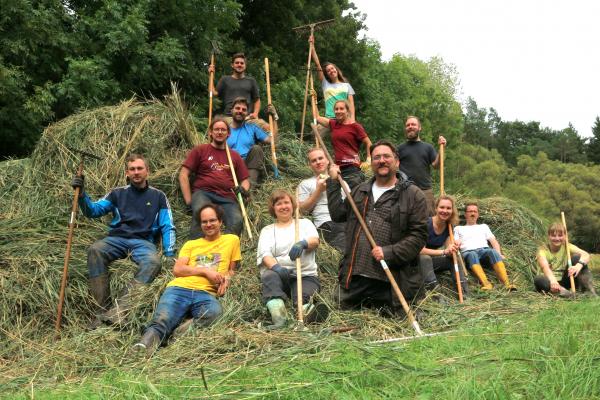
[(411, 229)]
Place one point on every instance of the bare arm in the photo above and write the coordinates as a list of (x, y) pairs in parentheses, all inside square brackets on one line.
[(226, 281), (436, 163), (307, 205), (184, 185), (496, 246), (255, 109), (269, 261), (352, 112), (367, 142), (313, 242), (315, 58), (245, 184)]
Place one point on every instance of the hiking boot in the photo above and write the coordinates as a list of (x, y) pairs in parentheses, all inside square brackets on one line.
[(585, 281), (183, 328), (117, 315), (314, 314), (567, 294), (148, 343), (278, 313), (100, 292)]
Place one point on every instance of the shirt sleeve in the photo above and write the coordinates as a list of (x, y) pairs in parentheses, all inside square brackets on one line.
[(304, 191), (488, 233), (96, 209), (259, 135), (432, 154), (350, 90), (236, 254), (186, 250), (192, 159), (167, 227), (359, 132), (307, 229), (241, 170), (254, 91), (265, 244)]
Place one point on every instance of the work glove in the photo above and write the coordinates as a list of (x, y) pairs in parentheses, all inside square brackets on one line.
[(283, 273), (272, 111), (77, 182), (240, 190), (297, 249)]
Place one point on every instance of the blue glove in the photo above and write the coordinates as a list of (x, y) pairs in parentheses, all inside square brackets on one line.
[(297, 249), (283, 273)]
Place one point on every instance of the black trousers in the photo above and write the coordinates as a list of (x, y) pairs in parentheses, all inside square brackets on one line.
[(273, 287)]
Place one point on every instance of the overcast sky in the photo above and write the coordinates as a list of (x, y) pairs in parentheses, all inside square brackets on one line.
[(530, 60)]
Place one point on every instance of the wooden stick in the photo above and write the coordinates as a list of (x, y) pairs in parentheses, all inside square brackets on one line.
[(273, 154), (310, 47), (211, 88), (65, 274), (313, 100), (450, 232), (569, 263), (386, 269), (238, 195), (298, 261)]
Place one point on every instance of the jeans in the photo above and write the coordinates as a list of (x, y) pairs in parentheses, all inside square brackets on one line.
[(102, 252), (177, 302), (232, 218), (478, 256)]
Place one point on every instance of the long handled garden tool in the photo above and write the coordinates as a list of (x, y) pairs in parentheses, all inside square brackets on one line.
[(74, 207), (273, 136), (569, 263), (300, 30), (454, 259), (370, 238), (298, 263), (238, 195)]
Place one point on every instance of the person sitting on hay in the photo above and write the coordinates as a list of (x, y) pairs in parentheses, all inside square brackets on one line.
[(474, 240), (552, 260), (436, 256), (277, 252), (140, 213), (395, 211), (313, 199), (202, 273), (247, 138), (213, 181)]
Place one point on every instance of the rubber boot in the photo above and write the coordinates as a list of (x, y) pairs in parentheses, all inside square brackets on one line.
[(100, 292), (253, 177), (478, 271), (278, 314), (567, 294), (148, 343), (500, 270), (585, 281), (117, 315)]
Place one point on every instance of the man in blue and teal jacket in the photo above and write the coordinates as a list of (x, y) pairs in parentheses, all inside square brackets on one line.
[(141, 213)]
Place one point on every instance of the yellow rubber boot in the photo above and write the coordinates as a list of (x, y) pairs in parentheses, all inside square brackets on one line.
[(478, 271), (500, 270)]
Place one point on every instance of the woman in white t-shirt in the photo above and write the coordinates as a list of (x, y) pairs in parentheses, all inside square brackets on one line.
[(335, 86), (276, 256)]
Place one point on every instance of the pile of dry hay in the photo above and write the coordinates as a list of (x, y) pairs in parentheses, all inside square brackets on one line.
[(35, 204)]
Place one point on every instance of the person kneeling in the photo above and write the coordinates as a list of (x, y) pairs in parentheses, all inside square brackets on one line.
[(552, 258), (276, 254), (202, 273)]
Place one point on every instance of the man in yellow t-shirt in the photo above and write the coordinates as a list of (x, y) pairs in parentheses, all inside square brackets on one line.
[(202, 273)]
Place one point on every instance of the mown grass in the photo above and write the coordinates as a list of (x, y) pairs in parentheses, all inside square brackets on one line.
[(550, 354)]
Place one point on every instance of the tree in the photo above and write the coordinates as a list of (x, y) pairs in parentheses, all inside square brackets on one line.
[(593, 147)]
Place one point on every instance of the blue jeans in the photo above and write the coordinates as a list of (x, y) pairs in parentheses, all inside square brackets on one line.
[(177, 302), (479, 256), (232, 218), (101, 253)]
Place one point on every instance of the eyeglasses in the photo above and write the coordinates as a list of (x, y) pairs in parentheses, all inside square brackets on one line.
[(219, 130), (386, 157)]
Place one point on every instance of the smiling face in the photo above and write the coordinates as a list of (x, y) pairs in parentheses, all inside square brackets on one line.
[(444, 210), (412, 128), (239, 65), (210, 223), (331, 73), (556, 239), (318, 162), (341, 111), (219, 133), (283, 209), (471, 214), (137, 172), (384, 162), (239, 112)]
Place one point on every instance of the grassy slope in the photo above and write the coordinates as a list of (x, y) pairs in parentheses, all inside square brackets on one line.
[(548, 354)]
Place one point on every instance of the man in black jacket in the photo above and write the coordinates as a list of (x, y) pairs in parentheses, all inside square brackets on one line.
[(395, 211)]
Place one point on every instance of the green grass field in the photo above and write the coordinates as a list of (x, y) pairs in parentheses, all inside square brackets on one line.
[(553, 353)]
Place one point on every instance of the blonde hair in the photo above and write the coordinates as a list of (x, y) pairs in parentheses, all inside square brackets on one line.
[(454, 216)]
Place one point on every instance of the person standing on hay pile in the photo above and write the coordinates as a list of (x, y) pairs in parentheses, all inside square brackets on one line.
[(313, 199), (202, 273), (436, 256), (277, 252), (416, 158), (346, 139), (247, 138), (214, 181), (335, 86), (238, 84), (396, 213), (552, 258), (474, 240), (140, 214)]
